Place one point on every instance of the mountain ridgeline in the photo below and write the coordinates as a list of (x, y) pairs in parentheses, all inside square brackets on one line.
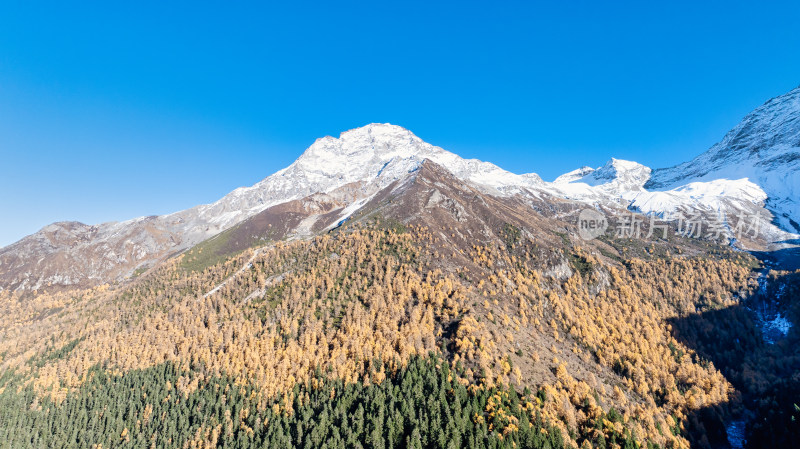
[(752, 171), (382, 292)]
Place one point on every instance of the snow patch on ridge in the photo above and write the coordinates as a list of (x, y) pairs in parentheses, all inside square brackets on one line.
[(754, 169), (707, 195)]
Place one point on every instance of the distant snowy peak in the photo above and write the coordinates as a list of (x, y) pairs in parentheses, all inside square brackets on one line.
[(627, 175), (756, 165), (574, 175), (767, 139), (620, 173), (723, 195), (388, 151), (621, 183), (763, 148), (626, 180), (372, 156), (609, 182)]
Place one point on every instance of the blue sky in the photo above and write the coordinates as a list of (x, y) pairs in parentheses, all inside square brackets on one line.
[(109, 112)]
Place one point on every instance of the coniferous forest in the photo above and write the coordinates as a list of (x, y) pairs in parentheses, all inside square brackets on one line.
[(372, 337), (580, 230), (420, 406)]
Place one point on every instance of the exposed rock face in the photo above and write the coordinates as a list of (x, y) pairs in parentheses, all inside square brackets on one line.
[(764, 148), (753, 170), (356, 165), (75, 254)]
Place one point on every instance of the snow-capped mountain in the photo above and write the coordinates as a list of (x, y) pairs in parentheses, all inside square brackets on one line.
[(611, 181), (754, 166), (754, 169), (764, 148), (370, 157), (366, 159), (618, 174), (623, 183), (376, 153)]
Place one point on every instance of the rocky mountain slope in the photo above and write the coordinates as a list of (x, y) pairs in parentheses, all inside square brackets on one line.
[(764, 148), (364, 159), (751, 172), (300, 323), (499, 287)]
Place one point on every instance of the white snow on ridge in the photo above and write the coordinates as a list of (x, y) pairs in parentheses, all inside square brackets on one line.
[(764, 147), (625, 181), (623, 184), (605, 183), (756, 166), (376, 154), (348, 211), (708, 195), (389, 151), (574, 175), (752, 170)]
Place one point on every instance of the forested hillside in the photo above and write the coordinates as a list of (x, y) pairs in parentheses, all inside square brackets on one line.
[(435, 316), (370, 336)]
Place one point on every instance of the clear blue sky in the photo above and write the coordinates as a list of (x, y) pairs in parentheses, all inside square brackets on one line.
[(109, 112)]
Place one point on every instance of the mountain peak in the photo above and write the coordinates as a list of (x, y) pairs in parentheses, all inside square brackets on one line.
[(377, 137), (386, 151), (616, 167), (377, 129), (763, 148), (361, 146), (619, 172), (363, 153), (573, 175), (766, 139)]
